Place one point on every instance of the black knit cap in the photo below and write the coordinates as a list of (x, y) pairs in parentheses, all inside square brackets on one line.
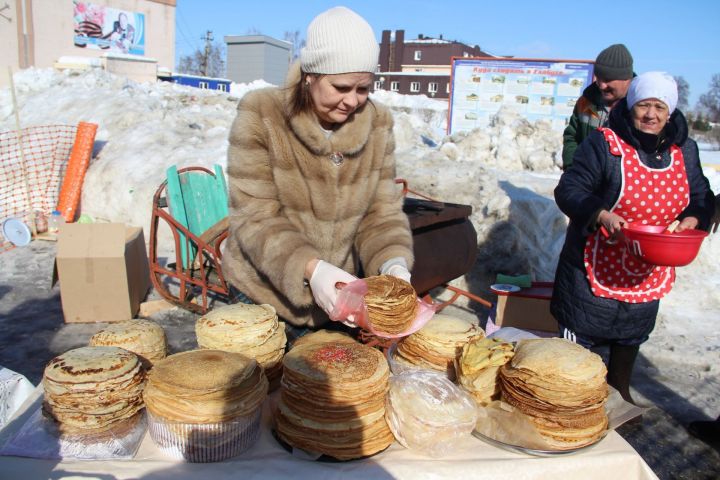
[(614, 63)]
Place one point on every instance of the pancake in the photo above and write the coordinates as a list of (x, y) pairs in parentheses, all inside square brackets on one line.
[(561, 387), (479, 365), (93, 389), (438, 345), (391, 304), (143, 337), (332, 399), (252, 330), (204, 405)]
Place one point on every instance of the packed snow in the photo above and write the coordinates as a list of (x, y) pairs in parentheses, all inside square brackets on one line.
[(506, 172)]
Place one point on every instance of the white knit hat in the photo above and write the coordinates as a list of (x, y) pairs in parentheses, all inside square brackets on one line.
[(339, 41), (658, 85)]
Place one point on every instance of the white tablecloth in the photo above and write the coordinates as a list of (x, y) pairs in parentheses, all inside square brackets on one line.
[(612, 457)]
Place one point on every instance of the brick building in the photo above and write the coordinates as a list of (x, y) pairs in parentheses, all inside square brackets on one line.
[(419, 66)]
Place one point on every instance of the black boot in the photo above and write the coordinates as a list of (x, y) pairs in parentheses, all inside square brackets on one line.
[(707, 431), (620, 367)]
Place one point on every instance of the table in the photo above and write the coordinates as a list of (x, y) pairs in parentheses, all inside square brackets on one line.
[(613, 457)]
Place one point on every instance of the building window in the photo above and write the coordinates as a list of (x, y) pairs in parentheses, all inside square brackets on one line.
[(414, 86), (418, 55), (222, 87), (203, 85), (377, 85), (394, 86), (432, 87), (466, 54)]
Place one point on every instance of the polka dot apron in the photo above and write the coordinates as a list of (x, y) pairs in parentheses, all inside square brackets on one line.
[(648, 196)]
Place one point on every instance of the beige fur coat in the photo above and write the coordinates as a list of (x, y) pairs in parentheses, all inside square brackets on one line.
[(290, 203)]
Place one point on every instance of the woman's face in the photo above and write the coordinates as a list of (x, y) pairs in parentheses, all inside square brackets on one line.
[(336, 97), (650, 115)]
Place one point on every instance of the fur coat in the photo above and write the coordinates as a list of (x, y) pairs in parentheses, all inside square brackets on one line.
[(289, 203)]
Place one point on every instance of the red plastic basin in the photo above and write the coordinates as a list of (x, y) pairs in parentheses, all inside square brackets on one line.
[(649, 243)]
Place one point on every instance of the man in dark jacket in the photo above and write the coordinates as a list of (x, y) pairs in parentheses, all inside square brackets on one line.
[(613, 72)]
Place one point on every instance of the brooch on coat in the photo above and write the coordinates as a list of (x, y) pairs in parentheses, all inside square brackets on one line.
[(337, 158)]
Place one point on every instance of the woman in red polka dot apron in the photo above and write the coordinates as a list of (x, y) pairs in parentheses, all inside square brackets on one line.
[(651, 197), (642, 169)]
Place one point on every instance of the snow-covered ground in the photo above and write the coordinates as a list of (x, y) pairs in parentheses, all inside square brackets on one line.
[(507, 172)]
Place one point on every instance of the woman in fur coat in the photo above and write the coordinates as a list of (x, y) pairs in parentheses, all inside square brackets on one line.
[(311, 171)]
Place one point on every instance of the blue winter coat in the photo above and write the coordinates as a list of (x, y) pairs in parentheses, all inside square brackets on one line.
[(594, 184)]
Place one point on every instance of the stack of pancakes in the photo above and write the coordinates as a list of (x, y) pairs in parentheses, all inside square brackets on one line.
[(561, 387), (391, 303), (204, 405), (253, 330), (332, 400), (143, 337), (322, 336), (438, 344), (94, 389), (478, 367)]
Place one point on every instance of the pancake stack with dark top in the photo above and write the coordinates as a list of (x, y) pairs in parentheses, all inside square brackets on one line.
[(91, 390)]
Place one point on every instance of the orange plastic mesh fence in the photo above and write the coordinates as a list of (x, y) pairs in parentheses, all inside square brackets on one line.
[(45, 150)]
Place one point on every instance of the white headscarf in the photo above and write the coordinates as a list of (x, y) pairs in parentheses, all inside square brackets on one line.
[(658, 85)]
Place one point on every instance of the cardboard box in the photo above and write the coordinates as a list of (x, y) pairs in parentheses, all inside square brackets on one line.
[(528, 309), (103, 271)]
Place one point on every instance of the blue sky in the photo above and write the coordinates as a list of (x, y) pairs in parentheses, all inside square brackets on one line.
[(682, 38)]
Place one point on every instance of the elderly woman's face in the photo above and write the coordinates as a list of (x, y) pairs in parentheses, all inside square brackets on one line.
[(336, 97), (650, 115)]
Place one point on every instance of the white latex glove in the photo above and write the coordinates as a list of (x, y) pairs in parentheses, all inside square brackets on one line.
[(397, 267), (322, 284), (398, 271)]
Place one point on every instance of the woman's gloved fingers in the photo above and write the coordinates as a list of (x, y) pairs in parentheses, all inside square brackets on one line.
[(399, 271), (323, 283)]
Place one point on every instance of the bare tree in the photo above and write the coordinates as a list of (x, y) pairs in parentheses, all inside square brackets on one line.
[(683, 93), (297, 43), (209, 61), (709, 102)]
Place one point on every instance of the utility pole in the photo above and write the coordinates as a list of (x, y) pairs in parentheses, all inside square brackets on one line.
[(206, 57)]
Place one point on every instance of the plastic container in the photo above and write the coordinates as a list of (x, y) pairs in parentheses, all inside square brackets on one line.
[(55, 221), (652, 245), (202, 443), (41, 222)]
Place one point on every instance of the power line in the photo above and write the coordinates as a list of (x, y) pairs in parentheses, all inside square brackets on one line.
[(194, 46)]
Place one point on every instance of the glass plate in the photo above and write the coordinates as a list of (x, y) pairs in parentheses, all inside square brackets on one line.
[(533, 451)]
